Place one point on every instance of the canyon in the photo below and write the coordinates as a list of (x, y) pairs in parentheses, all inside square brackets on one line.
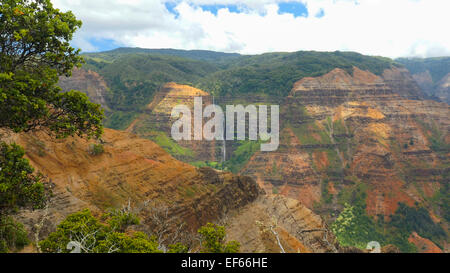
[(349, 136)]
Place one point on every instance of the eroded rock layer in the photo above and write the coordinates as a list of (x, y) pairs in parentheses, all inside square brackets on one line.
[(341, 132), (129, 170)]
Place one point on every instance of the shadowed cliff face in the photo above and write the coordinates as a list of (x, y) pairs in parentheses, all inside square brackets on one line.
[(88, 82), (432, 75), (443, 89)]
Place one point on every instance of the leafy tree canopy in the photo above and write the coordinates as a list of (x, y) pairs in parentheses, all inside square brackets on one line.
[(34, 52), (19, 187), (93, 236), (214, 240)]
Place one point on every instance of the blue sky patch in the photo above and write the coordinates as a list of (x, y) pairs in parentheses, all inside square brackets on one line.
[(214, 8), (295, 8), (103, 44), (170, 6)]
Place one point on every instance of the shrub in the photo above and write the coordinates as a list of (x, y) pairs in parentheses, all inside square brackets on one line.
[(96, 149), (214, 240), (94, 236)]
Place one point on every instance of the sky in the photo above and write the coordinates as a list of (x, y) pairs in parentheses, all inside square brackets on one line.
[(400, 28)]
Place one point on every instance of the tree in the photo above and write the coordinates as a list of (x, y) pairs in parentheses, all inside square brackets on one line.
[(19, 187), (82, 230), (353, 227), (214, 240), (34, 53)]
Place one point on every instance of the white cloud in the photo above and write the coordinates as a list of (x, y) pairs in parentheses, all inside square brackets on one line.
[(376, 27)]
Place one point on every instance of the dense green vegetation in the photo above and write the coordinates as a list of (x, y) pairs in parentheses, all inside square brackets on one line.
[(96, 149), (19, 186), (120, 120), (442, 199), (170, 146), (408, 219), (354, 227), (275, 73), (214, 240), (242, 155), (12, 235), (93, 236)]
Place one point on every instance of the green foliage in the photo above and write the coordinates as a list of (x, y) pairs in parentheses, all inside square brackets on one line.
[(354, 227), (214, 240), (12, 235), (138, 242), (120, 120), (408, 219), (19, 187), (311, 133), (96, 149), (170, 146), (242, 155), (442, 198), (119, 220), (354, 195), (326, 196), (275, 73), (274, 190), (178, 248), (199, 55), (35, 51), (435, 136), (211, 164), (95, 236), (109, 235)]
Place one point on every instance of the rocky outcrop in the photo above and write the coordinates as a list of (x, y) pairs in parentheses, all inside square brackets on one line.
[(338, 86), (277, 224), (402, 83), (439, 90), (88, 82)]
